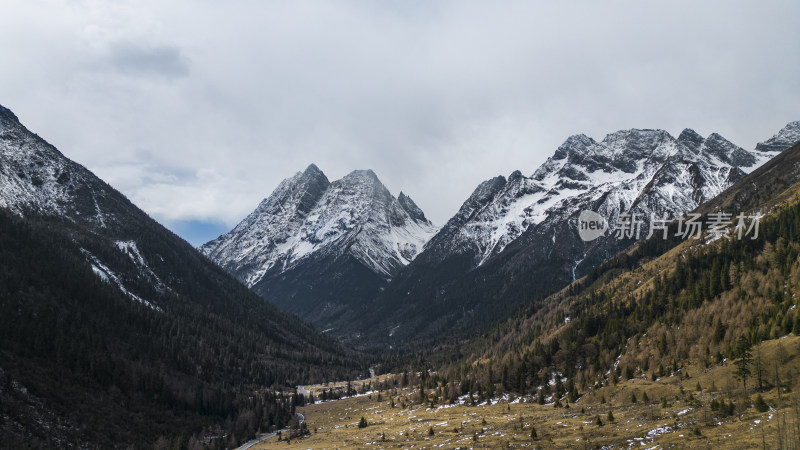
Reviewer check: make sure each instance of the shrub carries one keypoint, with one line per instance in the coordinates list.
(761, 405)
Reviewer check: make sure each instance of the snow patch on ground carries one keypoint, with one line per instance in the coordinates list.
(104, 273)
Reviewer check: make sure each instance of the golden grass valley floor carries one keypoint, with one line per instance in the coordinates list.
(682, 419)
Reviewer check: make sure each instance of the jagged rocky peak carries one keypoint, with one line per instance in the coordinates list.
(364, 174)
(366, 178)
(485, 192)
(364, 185)
(575, 144)
(312, 172)
(7, 117)
(361, 190)
(787, 137)
(519, 185)
(573, 151)
(307, 215)
(623, 151)
(411, 208)
(691, 139)
(728, 152)
(295, 195)
(515, 175)
(445, 240)
(626, 147)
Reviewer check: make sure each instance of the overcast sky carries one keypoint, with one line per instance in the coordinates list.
(196, 110)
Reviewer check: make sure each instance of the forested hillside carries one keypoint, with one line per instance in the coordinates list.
(116, 332)
(83, 362)
(704, 302)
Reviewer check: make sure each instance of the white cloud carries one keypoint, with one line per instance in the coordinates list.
(197, 110)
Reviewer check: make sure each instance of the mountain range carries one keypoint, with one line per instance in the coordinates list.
(363, 266)
(115, 331)
(659, 305)
(517, 238)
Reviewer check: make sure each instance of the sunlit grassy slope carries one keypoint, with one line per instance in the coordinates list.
(669, 412)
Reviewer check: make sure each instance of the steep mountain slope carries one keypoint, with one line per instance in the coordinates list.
(787, 137)
(321, 249)
(114, 331)
(704, 302)
(518, 238)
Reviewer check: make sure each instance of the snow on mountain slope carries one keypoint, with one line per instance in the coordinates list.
(131, 249)
(788, 136)
(35, 176)
(517, 238)
(108, 275)
(648, 168)
(307, 216)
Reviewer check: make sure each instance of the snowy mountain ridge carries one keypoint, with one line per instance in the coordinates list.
(308, 216)
(648, 168)
(788, 136)
(517, 238)
(35, 176)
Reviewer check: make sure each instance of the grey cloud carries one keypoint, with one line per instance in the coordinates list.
(165, 61)
(435, 97)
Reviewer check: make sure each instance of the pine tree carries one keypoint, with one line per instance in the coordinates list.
(744, 361)
(719, 331)
(760, 404)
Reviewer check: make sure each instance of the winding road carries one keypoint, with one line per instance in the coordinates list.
(264, 437)
(302, 390)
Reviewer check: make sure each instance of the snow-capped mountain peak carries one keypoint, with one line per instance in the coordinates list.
(411, 208)
(691, 139)
(642, 168)
(788, 136)
(323, 249)
(517, 238)
(574, 145)
(308, 216)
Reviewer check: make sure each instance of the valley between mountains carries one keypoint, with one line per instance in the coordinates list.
(370, 269)
(336, 314)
